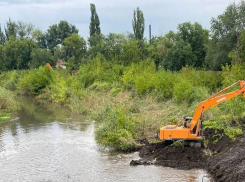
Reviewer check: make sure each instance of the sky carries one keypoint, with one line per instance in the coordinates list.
(115, 15)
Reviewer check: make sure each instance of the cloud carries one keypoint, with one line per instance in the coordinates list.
(115, 16)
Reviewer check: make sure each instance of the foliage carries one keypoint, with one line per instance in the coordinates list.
(39, 57)
(94, 27)
(138, 24)
(197, 37)
(2, 37)
(179, 55)
(58, 90)
(9, 79)
(131, 52)
(99, 70)
(18, 53)
(233, 132)
(57, 33)
(117, 129)
(225, 30)
(75, 47)
(34, 81)
(7, 101)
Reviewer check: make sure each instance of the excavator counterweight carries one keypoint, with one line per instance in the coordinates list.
(193, 130)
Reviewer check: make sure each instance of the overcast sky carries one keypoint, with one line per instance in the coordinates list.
(115, 15)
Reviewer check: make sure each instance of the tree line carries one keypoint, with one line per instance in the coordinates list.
(22, 46)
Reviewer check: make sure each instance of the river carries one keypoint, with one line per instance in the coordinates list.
(46, 143)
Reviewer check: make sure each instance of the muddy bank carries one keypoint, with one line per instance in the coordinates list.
(171, 156)
(225, 160)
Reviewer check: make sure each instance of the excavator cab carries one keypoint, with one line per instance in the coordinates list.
(187, 121)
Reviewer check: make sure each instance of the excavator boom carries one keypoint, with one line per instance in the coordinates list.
(193, 130)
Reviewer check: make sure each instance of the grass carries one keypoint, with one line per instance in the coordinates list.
(4, 117)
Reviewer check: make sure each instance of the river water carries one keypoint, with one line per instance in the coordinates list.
(46, 143)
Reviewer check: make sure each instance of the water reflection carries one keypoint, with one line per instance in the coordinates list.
(48, 143)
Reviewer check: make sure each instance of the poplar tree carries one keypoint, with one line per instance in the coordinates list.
(2, 37)
(138, 24)
(11, 29)
(95, 22)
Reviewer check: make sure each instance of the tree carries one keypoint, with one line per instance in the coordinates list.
(94, 27)
(24, 29)
(178, 56)
(39, 37)
(114, 45)
(138, 24)
(225, 32)
(40, 57)
(131, 52)
(160, 46)
(2, 37)
(2, 58)
(97, 45)
(58, 32)
(18, 53)
(197, 37)
(75, 46)
(11, 29)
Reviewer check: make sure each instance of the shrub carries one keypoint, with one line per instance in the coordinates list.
(99, 70)
(34, 81)
(100, 86)
(186, 91)
(8, 101)
(9, 79)
(233, 132)
(117, 129)
(59, 91)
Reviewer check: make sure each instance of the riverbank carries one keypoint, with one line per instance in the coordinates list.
(131, 103)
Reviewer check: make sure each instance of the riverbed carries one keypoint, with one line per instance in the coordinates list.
(47, 143)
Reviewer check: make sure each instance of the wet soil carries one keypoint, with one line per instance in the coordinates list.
(224, 160)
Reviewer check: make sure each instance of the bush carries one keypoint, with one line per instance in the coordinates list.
(117, 129)
(59, 91)
(186, 91)
(8, 101)
(233, 132)
(34, 81)
(100, 86)
(9, 79)
(99, 70)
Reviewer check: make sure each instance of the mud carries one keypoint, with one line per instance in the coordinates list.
(170, 156)
(224, 160)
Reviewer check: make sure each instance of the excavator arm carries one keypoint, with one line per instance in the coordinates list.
(191, 132)
(215, 100)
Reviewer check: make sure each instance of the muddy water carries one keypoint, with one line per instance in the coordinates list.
(47, 143)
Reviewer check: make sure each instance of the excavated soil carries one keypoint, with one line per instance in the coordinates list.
(225, 160)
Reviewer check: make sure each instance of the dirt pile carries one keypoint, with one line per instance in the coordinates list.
(224, 160)
(229, 163)
(170, 156)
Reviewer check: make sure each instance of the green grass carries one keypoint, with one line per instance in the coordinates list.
(4, 117)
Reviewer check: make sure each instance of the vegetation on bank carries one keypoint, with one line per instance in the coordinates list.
(8, 104)
(131, 103)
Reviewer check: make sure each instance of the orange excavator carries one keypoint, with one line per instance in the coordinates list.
(192, 128)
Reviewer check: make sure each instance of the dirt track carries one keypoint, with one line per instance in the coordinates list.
(225, 160)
